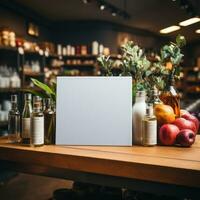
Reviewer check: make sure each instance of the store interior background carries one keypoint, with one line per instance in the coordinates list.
(81, 22)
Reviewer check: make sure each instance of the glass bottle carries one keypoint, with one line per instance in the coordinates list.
(153, 97)
(37, 123)
(26, 119)
(149, 127)
(139, 111)
(14, 121)
(170, 97)
(49, 123)
(156, 98)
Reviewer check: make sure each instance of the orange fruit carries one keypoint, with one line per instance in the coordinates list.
(164, 114)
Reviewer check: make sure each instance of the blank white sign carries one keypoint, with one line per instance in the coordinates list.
(94, 111)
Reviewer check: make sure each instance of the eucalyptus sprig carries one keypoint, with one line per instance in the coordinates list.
(134, 63)
(106, 64)
(172, 53)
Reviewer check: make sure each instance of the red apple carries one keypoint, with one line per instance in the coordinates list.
(192, 118)
(168, 133)
(182, 111)
(182, 123)
(185, 138)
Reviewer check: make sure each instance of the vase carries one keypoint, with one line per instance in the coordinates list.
(139, 111)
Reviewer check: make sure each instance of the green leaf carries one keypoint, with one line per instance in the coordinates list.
(36, 93)
(180, 40)
(53, 87)
(43, 86)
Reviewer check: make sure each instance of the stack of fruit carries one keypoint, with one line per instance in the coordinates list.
(176, 131)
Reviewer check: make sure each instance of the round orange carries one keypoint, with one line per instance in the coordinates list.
(164, 114)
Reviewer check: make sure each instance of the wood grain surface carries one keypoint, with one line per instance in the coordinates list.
(172, 165)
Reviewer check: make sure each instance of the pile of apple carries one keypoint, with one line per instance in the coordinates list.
(182, 131)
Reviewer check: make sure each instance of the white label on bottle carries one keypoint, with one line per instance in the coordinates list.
(149, 132)
(26, 127)
(37, 130)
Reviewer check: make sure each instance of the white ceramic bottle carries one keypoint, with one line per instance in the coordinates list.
(139, 111)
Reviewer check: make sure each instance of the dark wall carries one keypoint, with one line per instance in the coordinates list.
(109, 34)
(191, 52)
(76, 32)
(18, 23)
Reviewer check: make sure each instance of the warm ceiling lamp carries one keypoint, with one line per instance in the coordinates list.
(114, 13)
(197, 31)
(189, 21)
(86, 1)
(169, 29)
(102, 7)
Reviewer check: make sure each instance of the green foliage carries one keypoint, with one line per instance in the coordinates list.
(134, 63)
(172, 53)
(106, 64)
(47, 92)
(147, 75)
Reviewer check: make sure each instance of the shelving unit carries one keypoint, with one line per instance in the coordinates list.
(191, 84)
(3, 124)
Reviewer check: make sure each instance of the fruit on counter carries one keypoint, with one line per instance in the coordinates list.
(164, 114)
(192, 119)
(182, 112)
(185, 137)
(167, 134)
(183, 123)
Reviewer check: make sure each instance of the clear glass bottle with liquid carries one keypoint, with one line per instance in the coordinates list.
(26, 119)
(14, 121)
(149, 127)
(49, 122)
(37, 123)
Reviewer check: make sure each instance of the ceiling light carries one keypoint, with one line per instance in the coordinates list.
(189, 21)
(169, 29)
(102, 7)
(114, 13)
(86, 1)
(184, 4)
(197, 31)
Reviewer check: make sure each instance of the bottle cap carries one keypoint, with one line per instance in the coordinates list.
(149, 110)
(37, 98)
(37, 101)
(141, 93)
(27, 96)
(14, 98)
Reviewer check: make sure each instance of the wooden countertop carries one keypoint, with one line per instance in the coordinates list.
(171, 165)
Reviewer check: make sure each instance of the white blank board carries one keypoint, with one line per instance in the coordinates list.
(94, 111)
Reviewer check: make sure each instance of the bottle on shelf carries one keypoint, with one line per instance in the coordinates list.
(95, 48)
(139, 111)
(26, 119)
(170, 97)
(49, 122)
(37, 123)
(14, 121)
(149, 127)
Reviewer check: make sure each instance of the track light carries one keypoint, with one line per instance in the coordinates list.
(102, 6)
(114, 13)
(184, 4)
(86, 1)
